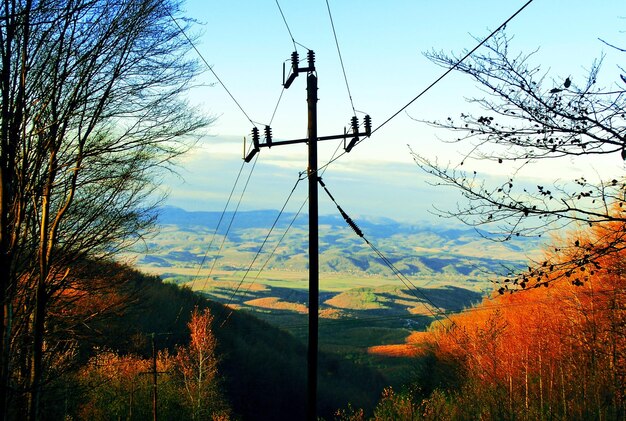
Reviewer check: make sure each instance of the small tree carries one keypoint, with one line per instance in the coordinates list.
(197, 366)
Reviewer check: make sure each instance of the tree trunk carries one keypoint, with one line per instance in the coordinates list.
(5, 329)
(526, 383)
(37, 354)
(5, 259)
(563, 392)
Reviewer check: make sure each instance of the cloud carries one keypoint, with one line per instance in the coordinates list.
(362, 184)
(373, 188)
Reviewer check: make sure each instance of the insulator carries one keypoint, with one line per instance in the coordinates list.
(354, 122)
(294, 61)
(368, 125)
(255, 137)
(268, 136)
(350, 222)
(311, 59)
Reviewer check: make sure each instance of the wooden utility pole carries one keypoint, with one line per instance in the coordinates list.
(154, 380)
(155, 374)
(311, 89)
(311, 140)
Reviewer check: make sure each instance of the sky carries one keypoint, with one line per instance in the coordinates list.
(382, 45)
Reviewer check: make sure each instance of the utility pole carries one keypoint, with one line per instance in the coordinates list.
(155, 375)
(154, 380)
(311, 140)
(314, 287)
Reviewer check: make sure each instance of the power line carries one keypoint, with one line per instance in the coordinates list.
(279, 242)
(182, 31)
(429, 87)
(230, 224)
(287, 25)
(273, 252)
(282, 91)
(345, 78)
(259, 250)
(219, 223)
(411, 287)
(192, 44)
(480, 44)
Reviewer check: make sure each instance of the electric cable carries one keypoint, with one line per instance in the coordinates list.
(273, 252)
(411, 287)
(472, 51)
(219, 224)
(429, 87)
(282, 91)
(287, 25)
(182, 31)
(259, 252)
(203, 59)
(435, 310)
(278, 243)
(230, 224)
(345, 77)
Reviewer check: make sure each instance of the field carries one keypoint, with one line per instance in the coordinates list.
(366, 311)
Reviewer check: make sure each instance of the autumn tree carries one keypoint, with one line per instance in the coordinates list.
(197, 365)
(92, 109)
(547, 352)
(115, 387)
(119, 386)
(526, 119)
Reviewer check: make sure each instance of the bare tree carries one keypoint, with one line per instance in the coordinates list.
(527, 118)
(92, 109)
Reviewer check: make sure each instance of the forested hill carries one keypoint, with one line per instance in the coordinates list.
(262, 369)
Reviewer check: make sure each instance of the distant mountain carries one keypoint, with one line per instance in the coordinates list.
(170, 215)
(190, 244)
(376, 227)
(418, 247)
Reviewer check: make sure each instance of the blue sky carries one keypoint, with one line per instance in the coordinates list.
(381, 43)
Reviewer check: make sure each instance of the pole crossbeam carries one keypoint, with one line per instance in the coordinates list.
(269, 141)
(306, 140)
(312, 139)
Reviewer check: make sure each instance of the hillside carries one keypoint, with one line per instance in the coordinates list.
(263, 369)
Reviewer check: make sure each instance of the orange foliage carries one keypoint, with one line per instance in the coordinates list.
(121, 386)
(562, 341)
(197, 364)
(416, 344)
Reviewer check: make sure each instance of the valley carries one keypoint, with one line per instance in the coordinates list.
(363, 304)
